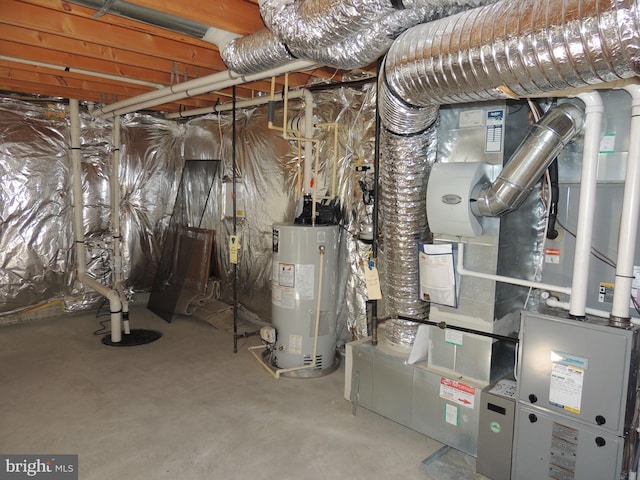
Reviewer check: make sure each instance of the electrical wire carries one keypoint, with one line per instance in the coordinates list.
(594, 251)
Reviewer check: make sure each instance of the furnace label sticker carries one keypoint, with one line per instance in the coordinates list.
(470, 118)
(552, 255)
(453, 337)
(565, 390)
(608, 143)
(457, 392)
(605, 293)
(494, 131)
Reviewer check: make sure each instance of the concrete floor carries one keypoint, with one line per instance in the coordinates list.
(185, 407)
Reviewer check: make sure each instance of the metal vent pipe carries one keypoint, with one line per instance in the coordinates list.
(530, 160)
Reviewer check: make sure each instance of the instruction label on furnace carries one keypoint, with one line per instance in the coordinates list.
(457, 392)
(567, 379)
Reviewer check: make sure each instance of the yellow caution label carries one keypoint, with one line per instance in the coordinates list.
(233, 249)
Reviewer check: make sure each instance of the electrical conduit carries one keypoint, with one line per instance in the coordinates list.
(115, 306)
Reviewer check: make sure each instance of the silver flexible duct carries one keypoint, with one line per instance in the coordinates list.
(312, 24)
(515, 48)
(366, 45)
(344, 34)
(405, 165)
(255, 53)
(530, 160)
(508, 49)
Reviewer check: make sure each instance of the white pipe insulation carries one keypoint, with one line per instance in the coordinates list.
(115, 306)
(629, 219)
(594, 114)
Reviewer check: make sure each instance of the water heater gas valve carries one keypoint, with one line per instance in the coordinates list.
(268, 334)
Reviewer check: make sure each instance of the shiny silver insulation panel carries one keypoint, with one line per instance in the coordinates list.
(36, 236)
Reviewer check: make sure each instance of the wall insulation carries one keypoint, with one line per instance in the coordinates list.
(36, 235)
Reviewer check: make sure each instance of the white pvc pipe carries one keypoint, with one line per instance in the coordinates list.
(80, 71)
(501, 278)
(225, 107)
(629, 218)
(555, 303)
(115, 307)
(115, 224)
(594, 113)
(308, 145)
(198, 86)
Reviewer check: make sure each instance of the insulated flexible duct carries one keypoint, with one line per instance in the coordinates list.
(405, 166)
(255, 53)
(343, 34)
(508, 49)
(515, 48)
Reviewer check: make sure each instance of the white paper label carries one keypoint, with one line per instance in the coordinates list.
(565, 390)
(494, 131)
(453, 337)
(295, 344)
(451, 414)
(608, 143)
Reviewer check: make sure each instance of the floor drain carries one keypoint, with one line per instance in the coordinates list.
(137, 336)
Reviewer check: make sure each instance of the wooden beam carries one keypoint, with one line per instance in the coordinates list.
(45, 20)
(233, 16)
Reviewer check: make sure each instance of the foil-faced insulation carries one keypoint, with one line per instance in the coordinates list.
(515, 48)
(353, 113)
(36, 235)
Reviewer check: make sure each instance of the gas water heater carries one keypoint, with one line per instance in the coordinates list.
(304, 296)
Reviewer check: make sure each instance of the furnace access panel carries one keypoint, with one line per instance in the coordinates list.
(577, 369)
